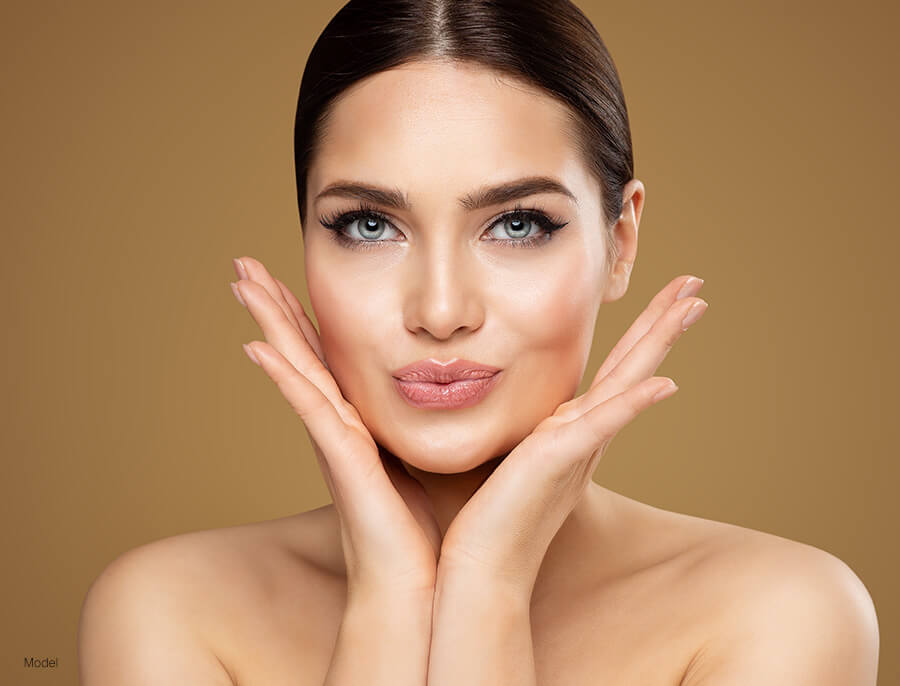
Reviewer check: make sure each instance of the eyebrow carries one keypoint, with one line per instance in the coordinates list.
(482, 197)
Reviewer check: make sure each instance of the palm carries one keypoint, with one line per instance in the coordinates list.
(540, 481)
(387, 526)
(418, 518)
(497, 497)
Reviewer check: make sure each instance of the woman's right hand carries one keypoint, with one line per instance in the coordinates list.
(390, 537)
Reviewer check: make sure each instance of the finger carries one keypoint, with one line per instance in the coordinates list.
(254, 270)
(289, 341)
(309, 330)
(541, 479)
(645, 357)
(362, 490)
(658, 305)
(257, 271)
(588, 436)
(346, 452)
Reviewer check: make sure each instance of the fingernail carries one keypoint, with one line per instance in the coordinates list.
(249, 351)
(690, 287)
(665, 391)
(693, 314)
(239, 268)
(237, 293)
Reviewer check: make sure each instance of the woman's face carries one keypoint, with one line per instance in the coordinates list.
(447, 277)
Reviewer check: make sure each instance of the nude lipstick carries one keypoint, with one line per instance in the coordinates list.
(431, 384)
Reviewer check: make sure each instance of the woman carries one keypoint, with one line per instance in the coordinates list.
(466, 192)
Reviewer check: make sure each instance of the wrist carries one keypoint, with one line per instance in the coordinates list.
(384, 638)
(478, 589)
(392, 613)
(367, 598)
(405, 601)
(392, 589)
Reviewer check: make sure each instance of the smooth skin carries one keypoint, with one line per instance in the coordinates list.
(389, 537)
(470, 546)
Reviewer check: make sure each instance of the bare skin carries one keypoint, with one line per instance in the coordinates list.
(266, 599)
(263, 603)
(470, 546)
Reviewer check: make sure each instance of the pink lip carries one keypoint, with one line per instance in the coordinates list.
(457, 384)
(433, 371)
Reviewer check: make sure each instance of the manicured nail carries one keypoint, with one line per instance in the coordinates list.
(665, 391)
(690, 287)
(237, 293)
(693, 314)
(249, 351)
(239, 268)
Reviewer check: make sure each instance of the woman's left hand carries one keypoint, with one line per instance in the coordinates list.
(505, 529)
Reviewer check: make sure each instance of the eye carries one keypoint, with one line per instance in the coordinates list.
(370, 227)
(520, 225)
(364, 227)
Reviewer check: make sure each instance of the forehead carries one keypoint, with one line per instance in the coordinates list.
(445, 127)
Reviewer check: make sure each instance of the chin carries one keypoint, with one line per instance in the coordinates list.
(439, 465)
(443, 452)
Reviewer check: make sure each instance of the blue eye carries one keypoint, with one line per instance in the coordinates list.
(369, 226)
(372, 224)
(519, 223)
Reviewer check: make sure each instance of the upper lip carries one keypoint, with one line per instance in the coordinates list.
(434, 371)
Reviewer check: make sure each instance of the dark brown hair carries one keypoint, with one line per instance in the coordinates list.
(549, 44)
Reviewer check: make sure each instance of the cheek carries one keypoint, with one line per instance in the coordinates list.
(553, 317)
(537, 321)
(352, 319)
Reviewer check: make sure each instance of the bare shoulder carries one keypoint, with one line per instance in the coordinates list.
(777, 611)
(755, 568)
(186, 608)
(139, 616)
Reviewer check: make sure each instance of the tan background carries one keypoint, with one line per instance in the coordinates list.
(147, 143)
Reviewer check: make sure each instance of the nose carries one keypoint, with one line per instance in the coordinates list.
(443, 292)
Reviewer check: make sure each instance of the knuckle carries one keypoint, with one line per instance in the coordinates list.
(669, 338)
(313, 409)
(668, 333)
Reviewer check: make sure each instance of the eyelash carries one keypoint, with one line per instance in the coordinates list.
(338, 221)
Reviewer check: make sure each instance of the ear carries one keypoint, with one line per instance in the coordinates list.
(625, 234)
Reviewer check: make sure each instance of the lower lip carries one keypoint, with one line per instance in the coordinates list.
(455, 395)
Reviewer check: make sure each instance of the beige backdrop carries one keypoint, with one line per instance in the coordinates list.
(145, 144)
